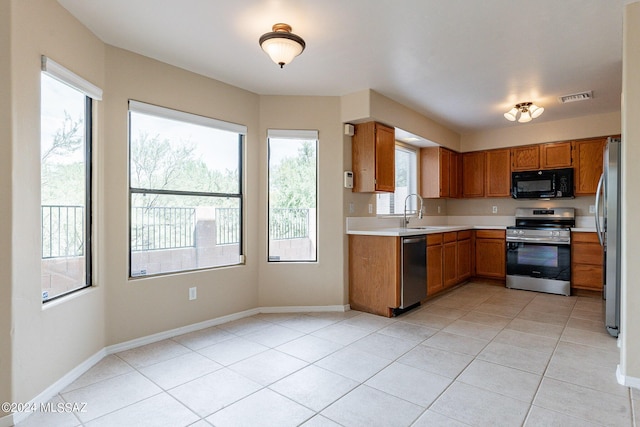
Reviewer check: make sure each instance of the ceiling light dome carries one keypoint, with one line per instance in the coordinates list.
(281, 44)
(524, 112)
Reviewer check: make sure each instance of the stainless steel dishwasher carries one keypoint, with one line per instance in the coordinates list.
(414, 271)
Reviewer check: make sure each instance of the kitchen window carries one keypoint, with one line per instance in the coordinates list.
(66, 127)
(293, 189)
(406, 183)
(185, 191)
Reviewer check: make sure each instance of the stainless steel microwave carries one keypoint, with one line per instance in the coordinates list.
(542, 184)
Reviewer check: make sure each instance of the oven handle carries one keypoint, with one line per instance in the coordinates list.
(534, 239)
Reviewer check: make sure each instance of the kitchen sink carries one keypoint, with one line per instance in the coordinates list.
(427, 227)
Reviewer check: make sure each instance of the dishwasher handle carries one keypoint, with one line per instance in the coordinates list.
(406, 240)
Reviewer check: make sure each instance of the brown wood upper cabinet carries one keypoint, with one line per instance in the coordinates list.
(498, 173)
(473, 174)
(439, 172)
(525, 158)
(373, 152)
(556, 155)
(588, 164)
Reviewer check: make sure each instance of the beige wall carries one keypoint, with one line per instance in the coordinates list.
(535, 133)
(5, 203)
(136, 308)
(306, 284)
(47, 343)
(630, 319)
(507, 205)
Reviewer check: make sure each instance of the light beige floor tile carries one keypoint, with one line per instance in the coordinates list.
(335, 316)
(586, 325)
(109, 367)
(635, 393)
(314, 387)
(203, 338)
(436, 361)
(444, 312)
(369, 322)
(232, 351)
(497, 309)
(478, 407)
(111, 395)
(309, 348)
(591, 304)
(472, 330)
(201, 423)
(354, 364)
(515, 357)
(408, 383)
(585, 374)
(587, 315)
(536, 328)
(152, 353)
(320, 421)
(408, 331)
(486, 319)
(366, 406)
(214, 391)
(428, 319)
(179, 370)
(268, 367)
(596, 356)
(500, 379)
(276, 317)
(528, 313)
(433, 419)
(584, 403)
(456, 343)
(246, 325)
(273, 336)
(541, 417)
(385, 346)
(341, 333)
(264, 408)
(593, 339)
(306, 323)
(41, 418)
(161, 410)
(527, 341)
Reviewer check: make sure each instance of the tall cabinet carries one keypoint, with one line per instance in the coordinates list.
(373, 151)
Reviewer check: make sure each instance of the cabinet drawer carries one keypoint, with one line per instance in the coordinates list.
(587, 277)
(585, 237)
(490, 234)
(450, 237)
(434, 239)
(463, 235)
(587, 253)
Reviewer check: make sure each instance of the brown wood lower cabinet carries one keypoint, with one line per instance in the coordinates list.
(448, 260)
(587, 260)
(463, 264)
(490, 248)
(434, 264)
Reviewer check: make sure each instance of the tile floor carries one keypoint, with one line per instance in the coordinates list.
(481, 355)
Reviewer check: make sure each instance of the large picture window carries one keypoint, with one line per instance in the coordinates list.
(185, 177)
(406, 183)
(66, 102)
(293, 179)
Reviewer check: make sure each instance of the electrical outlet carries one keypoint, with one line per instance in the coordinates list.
(193, 293)
(494, 209)
(370, 208)
(592, 208)
(351, 208)
(438, 208)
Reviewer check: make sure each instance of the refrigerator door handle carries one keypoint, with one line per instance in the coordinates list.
(597, 213)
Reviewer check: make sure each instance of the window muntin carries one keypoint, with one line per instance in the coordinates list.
(65, 187)
(406, 162)
(185, 175)
(293, 188)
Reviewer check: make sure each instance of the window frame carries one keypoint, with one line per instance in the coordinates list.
(194, 119)
(294, 135)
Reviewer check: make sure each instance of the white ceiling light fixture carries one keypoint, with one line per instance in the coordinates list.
(281, 44)
(526, 112)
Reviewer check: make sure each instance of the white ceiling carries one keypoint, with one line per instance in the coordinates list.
(461, 62)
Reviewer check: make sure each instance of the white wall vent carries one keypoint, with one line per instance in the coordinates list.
(582, 96)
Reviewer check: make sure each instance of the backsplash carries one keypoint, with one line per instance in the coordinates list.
(507, 206)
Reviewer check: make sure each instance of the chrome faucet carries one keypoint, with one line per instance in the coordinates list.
(419, 212)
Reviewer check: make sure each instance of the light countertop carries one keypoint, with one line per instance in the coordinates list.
(421, 230)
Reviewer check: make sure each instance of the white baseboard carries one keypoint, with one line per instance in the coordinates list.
(75, 373)
(627, 380)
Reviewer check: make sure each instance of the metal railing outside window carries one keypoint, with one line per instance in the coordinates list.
(62, 231)
(154, 228)
(227, 226)
(288, 224)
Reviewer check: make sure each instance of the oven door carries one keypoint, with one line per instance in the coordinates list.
(545, 260)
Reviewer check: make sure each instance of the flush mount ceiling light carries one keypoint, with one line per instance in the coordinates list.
(526, 111)
(281, 44)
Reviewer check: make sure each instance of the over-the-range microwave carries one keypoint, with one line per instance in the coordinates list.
(542, 184)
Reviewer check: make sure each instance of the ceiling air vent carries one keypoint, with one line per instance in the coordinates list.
(582, 96)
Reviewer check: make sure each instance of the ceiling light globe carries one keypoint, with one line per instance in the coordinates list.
(536, 111)
(511, 114)
(281, 44)
(525, 117)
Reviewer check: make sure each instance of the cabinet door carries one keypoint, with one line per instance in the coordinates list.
(445, 167)
(464, 260)
(454, 174)
(434, 269)
(525, 158)
(588, 165)
(430, 172)
(385, 159)
(473, 170)
(498, 173)
(587, 262)
(555, 155)
(490, 258)
(449, 261)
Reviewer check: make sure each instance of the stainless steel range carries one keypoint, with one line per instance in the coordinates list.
(539, 250)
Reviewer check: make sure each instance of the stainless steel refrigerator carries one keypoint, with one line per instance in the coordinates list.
(608, 226)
